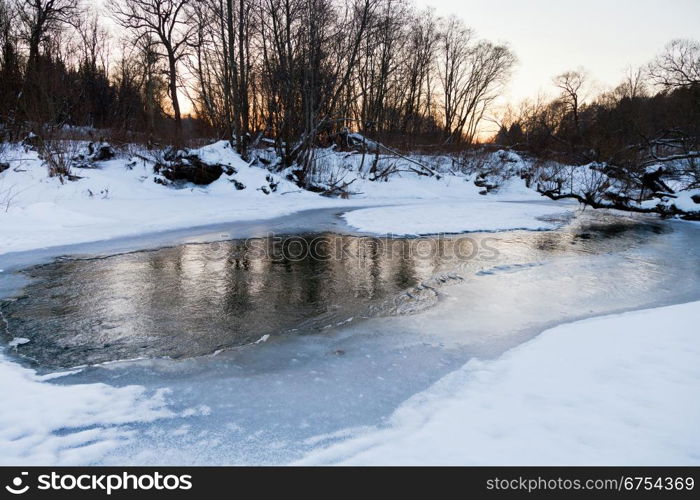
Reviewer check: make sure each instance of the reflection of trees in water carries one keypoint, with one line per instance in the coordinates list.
(596, 237)
(404, 268)
(193, 299)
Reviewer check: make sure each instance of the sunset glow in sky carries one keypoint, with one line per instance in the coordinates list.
(552, 36)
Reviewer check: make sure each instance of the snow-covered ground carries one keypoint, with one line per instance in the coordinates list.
(454, 217)
(120, 198)
(614, 390)
(48, 424)
(114, 200)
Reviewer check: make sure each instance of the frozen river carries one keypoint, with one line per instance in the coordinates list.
(353, 324)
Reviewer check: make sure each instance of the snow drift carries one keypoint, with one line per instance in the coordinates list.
(615, 390)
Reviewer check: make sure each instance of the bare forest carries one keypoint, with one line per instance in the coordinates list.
(299, 75)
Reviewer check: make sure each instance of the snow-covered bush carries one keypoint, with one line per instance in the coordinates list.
(490, 169)
(7, 192)
(93, 152)
(59, 157)
(330, 172)
(601, 185)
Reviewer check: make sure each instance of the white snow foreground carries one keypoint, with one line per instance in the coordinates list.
(42, 423)
(120, 198)
(614, 390)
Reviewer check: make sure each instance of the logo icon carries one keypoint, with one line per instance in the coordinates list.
(16, 488)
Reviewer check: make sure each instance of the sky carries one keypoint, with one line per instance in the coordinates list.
(553, 36)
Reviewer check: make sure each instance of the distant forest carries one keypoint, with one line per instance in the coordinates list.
(301, 72)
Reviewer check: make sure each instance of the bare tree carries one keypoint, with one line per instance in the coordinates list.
(10, 66)
(635, 82)
(139, 88)
(167, 21)
(42, 25)
(471, 73)
(380, 60)
(455, 39)
(678, 65)
(40, 17)
(93, 41)
(8, 32)
(572, 85)
(334, 64)
(236, 68)
(300, 71)
(419, 62)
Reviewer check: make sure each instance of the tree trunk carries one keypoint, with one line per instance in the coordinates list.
(233, 81)
(172, 69)
(242, 82)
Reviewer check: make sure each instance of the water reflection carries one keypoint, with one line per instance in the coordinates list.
(195, 299)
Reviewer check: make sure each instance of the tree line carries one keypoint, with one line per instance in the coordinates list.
(635, 147)
(651, 118)
(56, 69)
(305, 73)
(296, 71)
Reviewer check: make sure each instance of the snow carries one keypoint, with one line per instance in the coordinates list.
(588, 180)
(684, 200)
(18, 341)
(44, 423)
(117, 201)
(37, 211)
(618, 389)
(417, 219)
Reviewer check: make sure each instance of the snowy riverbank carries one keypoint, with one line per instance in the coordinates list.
(120, 198)
(614, 390)
(47, 424)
